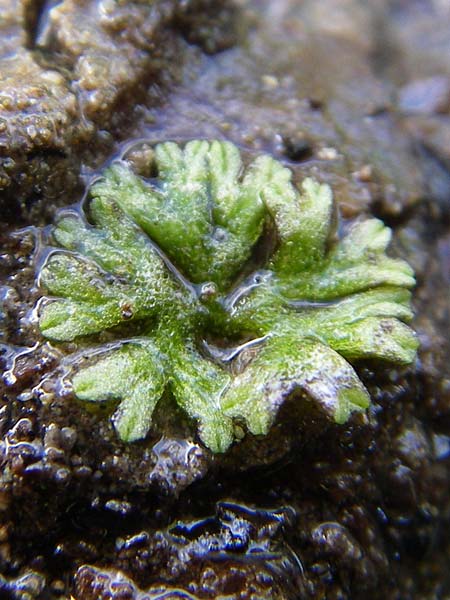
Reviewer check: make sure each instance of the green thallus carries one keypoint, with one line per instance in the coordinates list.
(162, 256)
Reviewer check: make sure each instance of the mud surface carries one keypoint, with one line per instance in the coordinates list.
(356, 94)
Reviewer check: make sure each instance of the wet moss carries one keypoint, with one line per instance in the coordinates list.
(162, 259)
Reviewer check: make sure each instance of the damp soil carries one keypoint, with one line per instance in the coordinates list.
(355, 94)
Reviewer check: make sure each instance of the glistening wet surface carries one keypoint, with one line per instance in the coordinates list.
(334, 89)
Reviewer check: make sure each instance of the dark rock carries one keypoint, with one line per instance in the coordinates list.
(238, 553)
(25, 587)
(67, 71)
(316, 85)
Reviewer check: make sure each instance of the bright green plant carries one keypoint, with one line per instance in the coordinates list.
(166, 261)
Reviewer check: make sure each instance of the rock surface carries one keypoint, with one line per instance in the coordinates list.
(70, 73)
(353, 93)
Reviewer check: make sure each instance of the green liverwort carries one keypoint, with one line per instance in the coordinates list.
(167, 261)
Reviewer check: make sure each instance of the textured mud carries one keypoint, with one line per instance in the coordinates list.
(356, 95)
